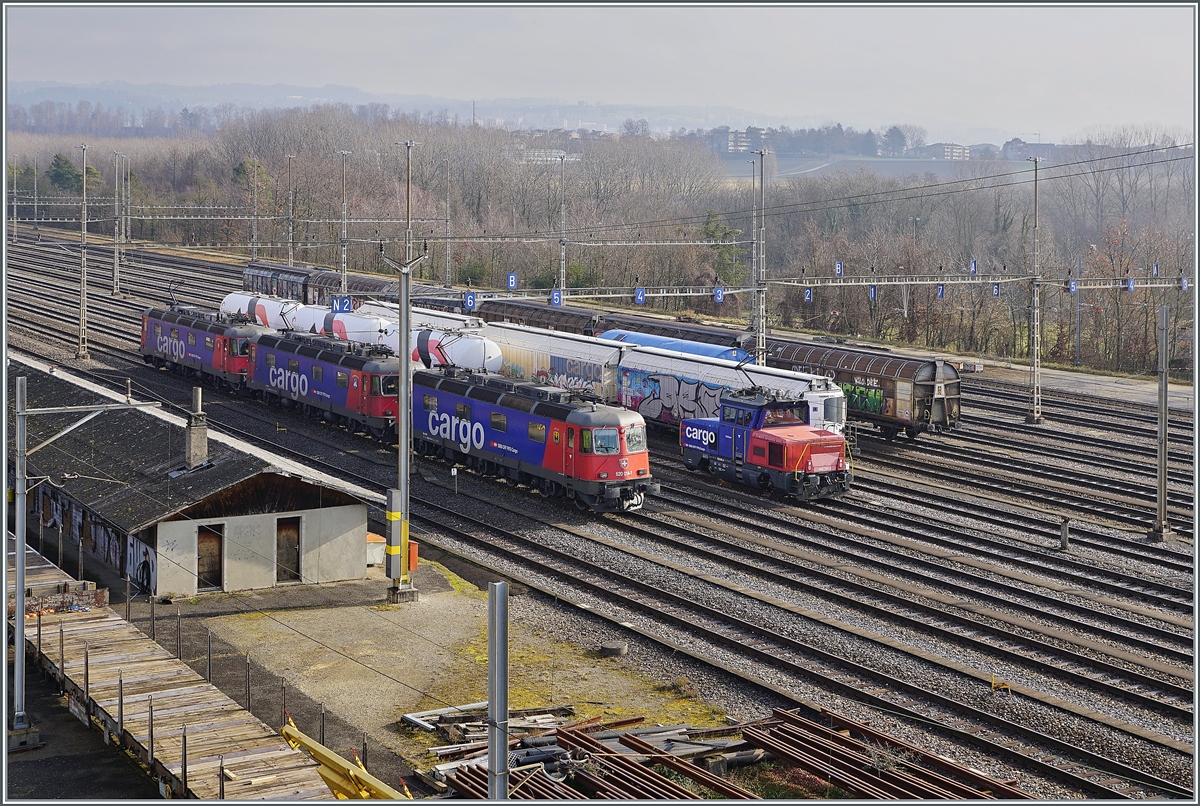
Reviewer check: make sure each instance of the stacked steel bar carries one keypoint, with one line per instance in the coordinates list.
(471, 782)
(623, 777)
(853, 766)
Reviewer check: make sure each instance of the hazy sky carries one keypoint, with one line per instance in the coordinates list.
(1055, 70)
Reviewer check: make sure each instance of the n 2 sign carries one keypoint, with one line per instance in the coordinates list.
(718, 294)
(469, 300)
(512, 281)
(556, 297)
(340, 304)
(639, 295)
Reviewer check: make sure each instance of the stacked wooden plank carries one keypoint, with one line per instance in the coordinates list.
(152, 703)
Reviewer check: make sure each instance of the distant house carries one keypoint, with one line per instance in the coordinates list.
(1018, 149)
(943, 151)
(179, 515)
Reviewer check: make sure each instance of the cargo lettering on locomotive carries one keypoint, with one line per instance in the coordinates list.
(700, 434)
(466, 433)
(175, 348)
(293, 382)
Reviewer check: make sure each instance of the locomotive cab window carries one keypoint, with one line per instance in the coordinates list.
(585, 440)
(239, 347)
(635, 438)
(375, 389)
(429, 402)
(391, 385)
(157, 329)
(269, 359)
(343, 380)
(796, 415)
(208, 342)
(729, 414)
(537, 432)
(499, 421)
(606, 441)
(570, 437)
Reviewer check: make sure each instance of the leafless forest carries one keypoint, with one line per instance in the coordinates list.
(1117, 202)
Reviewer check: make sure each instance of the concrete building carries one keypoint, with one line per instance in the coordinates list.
(178, 514)
(944, 151)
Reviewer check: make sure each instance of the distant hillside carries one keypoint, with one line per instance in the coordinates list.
(510, 113)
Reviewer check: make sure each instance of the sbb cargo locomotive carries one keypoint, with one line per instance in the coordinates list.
(544, 438)
(766, 443)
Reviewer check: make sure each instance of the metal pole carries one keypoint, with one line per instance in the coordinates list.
(116, 280)
(82, 351)
(447, 282)
(753, 224)
(208, 666)
(364, 753)
(152, 619)
(760, 324)
(79, 575)
(120, 707)
(322, 723)
(254, 220)
(60, 545)
(39, 636)
(1035, 318)
(290, 157)
(562, 226)
(1162, 527)
(20, 718)
(1079, 293)
(127, 596)
(221, 777)
(62, 660)
(248, 682)
(183, 775)
(87, 688)
(150, 731)
(35, 195)
(178, 634)
(282, 701)
(398, 499)
(497, 691)
(344, 155)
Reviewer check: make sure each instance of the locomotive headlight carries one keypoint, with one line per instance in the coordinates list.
(642, 471)
(603, 475)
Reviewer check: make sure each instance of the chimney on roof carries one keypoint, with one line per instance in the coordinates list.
(196, 439)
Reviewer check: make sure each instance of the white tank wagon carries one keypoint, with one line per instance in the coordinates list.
(430, 347)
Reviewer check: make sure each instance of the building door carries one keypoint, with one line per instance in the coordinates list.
(209, 549)
(287, 550)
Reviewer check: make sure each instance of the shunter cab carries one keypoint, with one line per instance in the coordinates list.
(767, 443)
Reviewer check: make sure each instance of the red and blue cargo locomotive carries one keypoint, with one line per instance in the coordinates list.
(764, 442)
(203, 344)
(544, 437)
